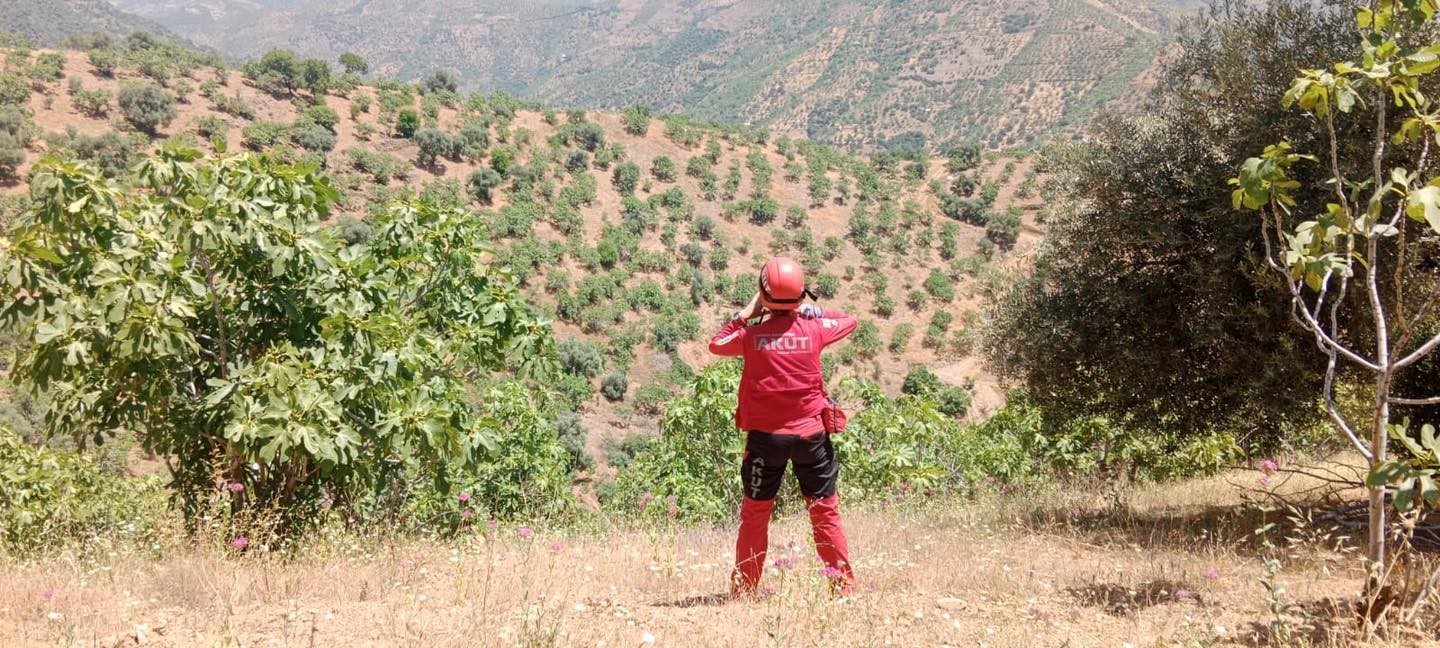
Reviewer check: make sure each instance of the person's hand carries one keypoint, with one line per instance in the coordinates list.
(811, 311)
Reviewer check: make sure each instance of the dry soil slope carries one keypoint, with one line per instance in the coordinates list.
(54, 111)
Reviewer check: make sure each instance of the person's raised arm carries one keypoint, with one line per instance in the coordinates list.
(730, 339)
(835, 325)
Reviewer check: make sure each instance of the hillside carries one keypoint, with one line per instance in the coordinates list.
(640, 279)
(853, 73)
(50, 22)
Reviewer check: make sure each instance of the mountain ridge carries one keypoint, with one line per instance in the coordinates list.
(862, 74)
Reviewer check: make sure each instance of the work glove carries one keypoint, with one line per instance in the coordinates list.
(811, 311)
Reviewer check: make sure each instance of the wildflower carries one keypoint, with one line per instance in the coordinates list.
(1267, 466)
(557, 546)
(235, 487)
(526, 532)
(830, 572)
(47, 592)
(465, 514)
(1212, 574)
(464, 497)
(674, 511)
(767, 590)
(1263, 479)
(646, 499)
(784, 563)
(1183, 594)
(240, 543)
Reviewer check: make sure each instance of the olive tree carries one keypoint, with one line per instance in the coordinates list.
(1350, 272)
(206, 310)
(146, 106)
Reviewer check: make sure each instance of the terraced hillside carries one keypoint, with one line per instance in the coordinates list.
(853, 73)
(639, 233)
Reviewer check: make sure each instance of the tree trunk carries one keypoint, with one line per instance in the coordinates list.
(1379, 440)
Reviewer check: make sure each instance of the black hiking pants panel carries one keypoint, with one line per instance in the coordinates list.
(766, 454)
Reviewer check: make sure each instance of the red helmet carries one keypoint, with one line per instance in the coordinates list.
(782, 284)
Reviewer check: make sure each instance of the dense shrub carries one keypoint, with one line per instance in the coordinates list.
(12, 155)
(626, 177)
(920, 381)
(580, 358)
(570, 430)
(636, 119)
(613, 386)
(49, 498)
(663, 168)
(407, 122)
(483, 181)
(146, 105)
(314, 137)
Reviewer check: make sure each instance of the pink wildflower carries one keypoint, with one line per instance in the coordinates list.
(1212, 574)
(784, 563)
(526, 532)
(830, 572)
(1183, 594)
(1263, 479)
(465, 514)
(557, 546)
(240, 543)
(464, 497)
(646, 499)
(235, 487)
(47, 592)
(1267, 466)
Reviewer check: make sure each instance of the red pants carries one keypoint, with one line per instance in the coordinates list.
(762, 471)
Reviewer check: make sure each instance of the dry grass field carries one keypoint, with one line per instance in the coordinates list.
(1175, 565)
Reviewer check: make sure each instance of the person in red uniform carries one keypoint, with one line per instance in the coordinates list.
(782, 395)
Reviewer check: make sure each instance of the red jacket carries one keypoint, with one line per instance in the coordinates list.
(781, 388)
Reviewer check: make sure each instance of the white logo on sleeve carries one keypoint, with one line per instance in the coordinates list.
(828, 323)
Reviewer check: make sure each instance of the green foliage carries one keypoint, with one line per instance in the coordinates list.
(482, 182)
(65, 497)
(14, 91)
(440, 81)
(1124, 291)
(353, 64)
(613, 386)
(570, 430)
(963, 157)
(12, 155)
(313, 137)
(663, 168)
(105, 62)
(1003, 228)
(434, 144)
(262, 135)
(939, 285)
(696, 458)
(407, 122)
(636, 119)
(146, 106)
(380, 167)
(920, 381)
(579, 358)
(94, 103)
(272, 356)
(626, 177)
(827, 285)
(866, 339)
